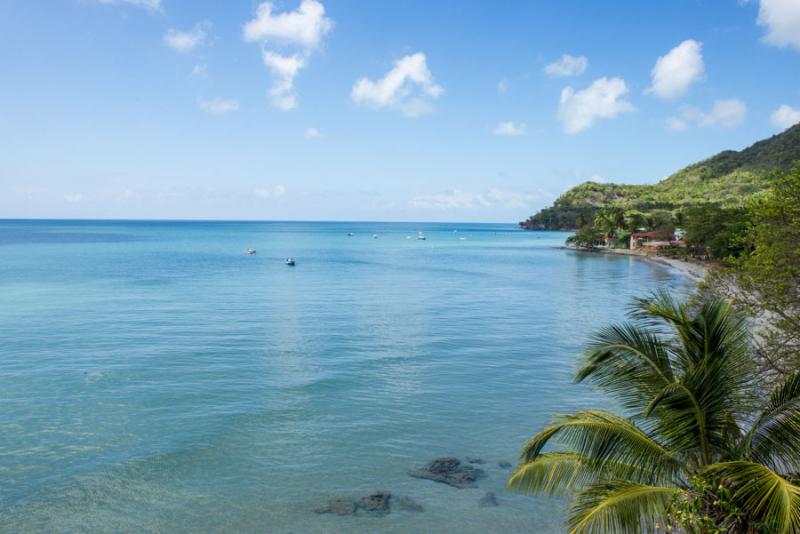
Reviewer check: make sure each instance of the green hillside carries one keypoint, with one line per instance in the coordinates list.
(725, 179)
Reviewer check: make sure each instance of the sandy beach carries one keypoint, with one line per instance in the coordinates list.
(694, 270)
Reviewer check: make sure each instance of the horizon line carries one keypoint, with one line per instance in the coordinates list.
(101, 219)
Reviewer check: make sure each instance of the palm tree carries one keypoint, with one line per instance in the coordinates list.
(608, 220)
(699, 445)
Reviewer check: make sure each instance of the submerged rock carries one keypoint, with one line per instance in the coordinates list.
(488, 500)
(448, 471)
(408, 504)
(339, 505)
(505, 465)
(378, 502)
(474, 460)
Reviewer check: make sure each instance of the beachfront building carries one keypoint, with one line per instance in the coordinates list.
(638, 238)
(649, 242)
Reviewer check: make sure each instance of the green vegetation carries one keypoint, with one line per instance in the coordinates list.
(726, 180)
(764, 281)
(700, 447)
(711, 231)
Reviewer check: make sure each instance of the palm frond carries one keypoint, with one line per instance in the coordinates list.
(659, 308)
(603, 437)
(774, 439)
(767, 497)
(559, 473)
(697, 415)
(682, 422)
(629, 362)
(550, 473)
(620, 507)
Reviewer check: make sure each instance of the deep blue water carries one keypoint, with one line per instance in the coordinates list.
(156, 379)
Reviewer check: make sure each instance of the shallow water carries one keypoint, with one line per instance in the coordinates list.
(156, 379)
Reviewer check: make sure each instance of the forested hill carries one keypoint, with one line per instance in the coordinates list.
(726, 179)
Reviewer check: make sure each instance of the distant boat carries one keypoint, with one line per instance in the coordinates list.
(290, 262)
(250, 251)
(421, 236)
(374, 236)
(350, 234)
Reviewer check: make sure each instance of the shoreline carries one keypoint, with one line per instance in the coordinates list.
(696, 271)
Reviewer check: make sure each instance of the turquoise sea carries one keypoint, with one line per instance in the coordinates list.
(157, 379)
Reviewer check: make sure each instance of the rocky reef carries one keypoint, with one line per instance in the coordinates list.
(447, 470)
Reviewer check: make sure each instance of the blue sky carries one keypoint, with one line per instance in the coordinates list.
(451, 110)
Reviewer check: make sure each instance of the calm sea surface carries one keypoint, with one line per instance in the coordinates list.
(156, 379)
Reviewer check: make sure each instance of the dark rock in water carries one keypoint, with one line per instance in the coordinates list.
(339, 506)
(488, 500)
(408, 504)
(377, 502)
(505, 465)
(473, 460)
(448, 471)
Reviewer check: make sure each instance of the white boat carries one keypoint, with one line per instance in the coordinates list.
(421, 236)
(374, 236)
(350, 234)
(290, 262)
(250, 251)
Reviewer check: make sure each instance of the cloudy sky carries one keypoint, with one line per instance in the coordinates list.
(453, 110)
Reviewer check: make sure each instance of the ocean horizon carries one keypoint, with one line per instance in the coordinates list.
(158, 379)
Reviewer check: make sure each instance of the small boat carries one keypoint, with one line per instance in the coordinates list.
(250, 251)
(421, 236)
(350, 234)
(374, 236)
(290, 262)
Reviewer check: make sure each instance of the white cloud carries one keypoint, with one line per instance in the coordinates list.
(301, 31)
(675, 124)
(601, 100)
(409, 87)
(283, 69)
(304, 27)
(509, 128)
(313, 133)
(218, 106)
(200, 70)
(785, 117)
(74, 198)
(503, 87)
(567, 66)
(274, 192)
(456, 199)
(723, 114)
(151, 5)
(781, 18)
(675, 71)
(187, 41)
